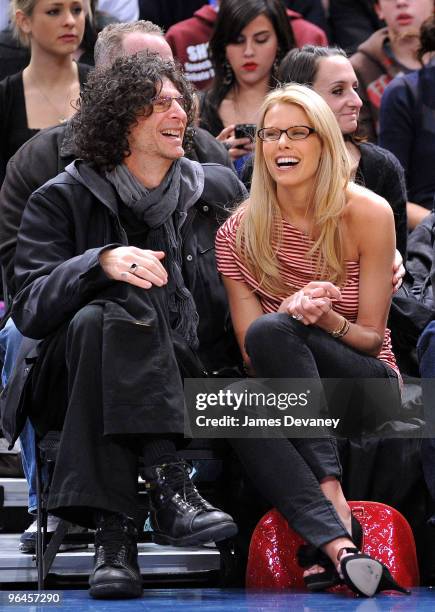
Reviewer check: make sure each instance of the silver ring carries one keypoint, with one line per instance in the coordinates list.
(132, 269)
(228, 144)
(297, 317)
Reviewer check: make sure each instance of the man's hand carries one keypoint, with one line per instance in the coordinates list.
(139, 267)
(415, 214)
(398, 271)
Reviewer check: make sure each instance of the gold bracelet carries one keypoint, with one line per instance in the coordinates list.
(341, 330)
(346, 328)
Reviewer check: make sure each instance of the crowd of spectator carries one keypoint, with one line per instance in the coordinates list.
(129, 132)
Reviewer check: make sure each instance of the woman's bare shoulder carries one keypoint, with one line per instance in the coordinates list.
(369, 220)
(365, 206)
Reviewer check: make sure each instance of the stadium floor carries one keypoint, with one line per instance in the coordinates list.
(236, 600)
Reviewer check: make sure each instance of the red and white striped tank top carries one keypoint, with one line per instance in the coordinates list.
(296, 270)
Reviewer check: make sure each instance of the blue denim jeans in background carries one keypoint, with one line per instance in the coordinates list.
(426, 358)
(10, 342)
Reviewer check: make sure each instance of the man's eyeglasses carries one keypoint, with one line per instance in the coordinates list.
(164, 103)
(296, 132)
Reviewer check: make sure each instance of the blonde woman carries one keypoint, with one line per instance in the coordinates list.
(306, 262)
(42, 95)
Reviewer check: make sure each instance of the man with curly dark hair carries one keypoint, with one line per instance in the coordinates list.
(40, 159)
(109, 109)
(114, 269)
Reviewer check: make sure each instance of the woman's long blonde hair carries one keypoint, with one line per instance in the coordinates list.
(261, 223)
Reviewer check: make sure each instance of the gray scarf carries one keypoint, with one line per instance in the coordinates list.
(164, 210)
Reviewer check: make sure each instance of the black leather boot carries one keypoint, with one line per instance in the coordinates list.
(116, 572)
(179, 515)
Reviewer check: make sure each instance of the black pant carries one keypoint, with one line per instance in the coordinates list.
(92, 471)
(287, 472)
(96, 467)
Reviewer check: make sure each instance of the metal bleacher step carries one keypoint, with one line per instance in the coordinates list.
(154, 561)
(14, 492)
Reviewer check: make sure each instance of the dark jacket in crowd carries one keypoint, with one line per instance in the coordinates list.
(352, 22)
(380, 171)
(13, 56)
(407, 129)
(14, 130)
(311, 10)
(167, 12)
(43, 157)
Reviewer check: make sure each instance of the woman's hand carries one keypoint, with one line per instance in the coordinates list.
(230, 142)
(312, 302)
(398, 271)
(139, 267)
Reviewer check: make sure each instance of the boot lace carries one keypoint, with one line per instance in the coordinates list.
(113, 541)
(177, 477)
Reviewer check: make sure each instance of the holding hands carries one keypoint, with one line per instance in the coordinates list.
(140, 267)
(316, 299)
(312, 302)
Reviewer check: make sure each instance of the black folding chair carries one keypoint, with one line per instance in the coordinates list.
(46, 453)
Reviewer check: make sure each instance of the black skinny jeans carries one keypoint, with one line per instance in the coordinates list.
(288, 472)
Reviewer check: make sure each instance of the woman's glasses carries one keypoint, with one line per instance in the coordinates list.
(164, 103)
(296, 132)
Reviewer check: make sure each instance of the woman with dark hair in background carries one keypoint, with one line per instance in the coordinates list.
(407, 125)
(249, 40)
(42, 94)
(329, 72)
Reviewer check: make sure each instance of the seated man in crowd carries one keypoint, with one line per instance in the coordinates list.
(39, 160)
(114, 269)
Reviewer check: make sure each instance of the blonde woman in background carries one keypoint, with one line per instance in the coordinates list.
(43, 94)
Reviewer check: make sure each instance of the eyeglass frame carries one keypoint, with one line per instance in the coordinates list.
(310, 131)
(158, 99)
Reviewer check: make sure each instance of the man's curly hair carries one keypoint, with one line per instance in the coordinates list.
(112, 100)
